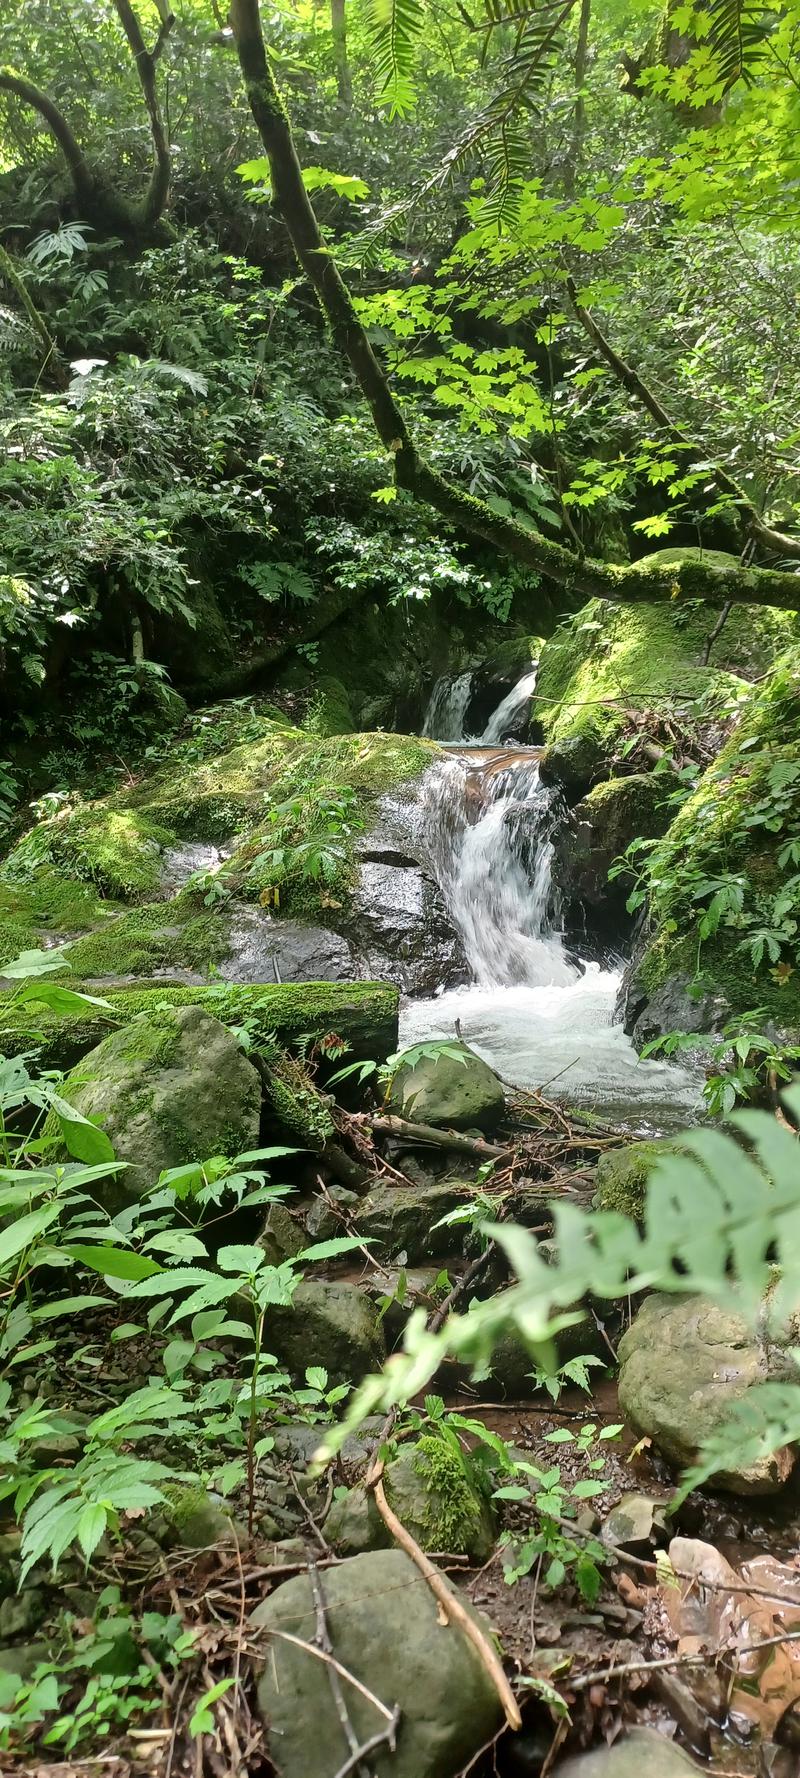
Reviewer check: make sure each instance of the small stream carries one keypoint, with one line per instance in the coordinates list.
(542, 1016)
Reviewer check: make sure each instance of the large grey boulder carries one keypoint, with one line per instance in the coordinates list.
(398, 925)
(683, 1363)
(640, 1754)
(334, 1325)
(454, 1089)
(385, 1629)
(172, 1086)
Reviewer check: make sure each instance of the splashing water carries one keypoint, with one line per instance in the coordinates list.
(508, 714)
(447, 709)
(482, 827)
(539, 1016)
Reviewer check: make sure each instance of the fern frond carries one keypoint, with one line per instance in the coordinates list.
(394, 28)
(737, 37)
(15, 333)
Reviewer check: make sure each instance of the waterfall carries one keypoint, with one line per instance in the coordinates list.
(483, 826)
(444, 717)
(507, 715)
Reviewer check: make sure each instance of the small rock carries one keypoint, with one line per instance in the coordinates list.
(633, 1524)
(333, 1325)
(450, 1090)
(434, 1494)
(689, 1714)
(386, 1629)
(22, 1612)
(640, 1754)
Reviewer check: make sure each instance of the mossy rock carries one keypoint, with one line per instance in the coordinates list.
(611, 657)
(170, 1087)
(621, 1176)
(714, 834)
(364, 1015)
(453, 1089)
(404, 1219)
(435, 1492)
(116, 848)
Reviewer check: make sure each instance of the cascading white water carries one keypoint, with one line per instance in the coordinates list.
(542, 1018)
(447, 708)
(505, 718)
(501, 910)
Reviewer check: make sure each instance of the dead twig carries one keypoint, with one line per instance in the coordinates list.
(323, 1641)
(430, 1137)
(384, 1737)
(452, 1606)
(310, 1648)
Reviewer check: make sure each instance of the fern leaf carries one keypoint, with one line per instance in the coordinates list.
(394, 28)
(737, 37)
(15, 332)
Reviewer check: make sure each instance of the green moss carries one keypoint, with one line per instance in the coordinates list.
(712, 837)
(455, 1511)
(298, 1106)
(158, 936)
(609, 658)
(118, 849)
(362, 1013)
(622, 1174)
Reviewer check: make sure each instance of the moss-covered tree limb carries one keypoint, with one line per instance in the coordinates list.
(583, 576)
(83, 179)
(146, 61)
(96, 201)
(52, 364)
(755, 530)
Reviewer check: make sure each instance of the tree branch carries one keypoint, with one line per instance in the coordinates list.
(158, 190)
(776, 541)
(584, 577)
(83, 179)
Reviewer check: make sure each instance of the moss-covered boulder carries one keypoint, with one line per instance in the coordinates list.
(612, 658)
(622, 1174)
(362, 1015)
(389, 1632)
(733, 834)
(683, 1364)
(452, 1088)
(435, 1492)
(600, 828)
(172, 1086)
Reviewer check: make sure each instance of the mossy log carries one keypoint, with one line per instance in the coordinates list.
(363, 1014)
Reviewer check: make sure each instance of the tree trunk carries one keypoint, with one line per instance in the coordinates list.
(578, 575)
(344, 84)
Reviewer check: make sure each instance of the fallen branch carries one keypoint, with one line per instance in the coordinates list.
(430, 1137)
(456, 1613)
(385, 1737)
(310, 1648)
(323, 1641)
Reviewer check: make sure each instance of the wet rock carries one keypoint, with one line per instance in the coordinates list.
(454, 1089)
(682, 1365)
(599, 829)
(574, 764)
(640, 1753)
(434, 1493)
(403, 1219)
(172, 1086)
(333, 1325)
(264, 949)
(386, 1629)
(647, 1012)
(399, 927)
(689, 1714)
